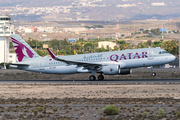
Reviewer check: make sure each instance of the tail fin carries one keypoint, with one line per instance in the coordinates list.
(22, 49)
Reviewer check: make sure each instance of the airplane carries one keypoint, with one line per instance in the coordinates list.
(107, 63)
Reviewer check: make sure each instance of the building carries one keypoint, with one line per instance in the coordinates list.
(49, 29)
(158, 4)
(12, 58)
(28, 30)
(34, 29)
(45, 46)
(75, 29)
(105, 44)
(6, 29)
(40, 29)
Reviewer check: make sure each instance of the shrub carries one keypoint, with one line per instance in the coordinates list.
(111, 110)
(178, 113)
(161, 113)
(138, 115)
(145, 114)
(39, 109)
(55, 109)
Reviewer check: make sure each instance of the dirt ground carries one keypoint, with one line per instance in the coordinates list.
(86, 101)
(89, 91)
(135, 101)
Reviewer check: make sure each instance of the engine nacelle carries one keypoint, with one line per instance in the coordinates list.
(125, 71)
(111, 70)
(115, 70)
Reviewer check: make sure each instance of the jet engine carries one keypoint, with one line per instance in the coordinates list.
(115, 70)
(125, 71)
(111, 70)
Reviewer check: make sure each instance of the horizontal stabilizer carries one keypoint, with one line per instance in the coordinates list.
(18, 64)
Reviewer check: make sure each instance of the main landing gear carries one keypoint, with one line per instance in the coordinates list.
(92, 78)
(153, 73)
(100, 77)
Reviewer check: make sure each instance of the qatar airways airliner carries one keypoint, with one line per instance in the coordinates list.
(107, 63)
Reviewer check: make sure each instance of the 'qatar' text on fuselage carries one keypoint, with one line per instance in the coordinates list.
(137, 55)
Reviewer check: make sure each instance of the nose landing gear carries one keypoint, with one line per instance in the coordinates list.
(153, 73)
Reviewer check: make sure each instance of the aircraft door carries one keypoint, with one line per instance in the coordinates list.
(41, 65)
(150, 55)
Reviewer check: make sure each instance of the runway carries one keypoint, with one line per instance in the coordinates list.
(88, 81)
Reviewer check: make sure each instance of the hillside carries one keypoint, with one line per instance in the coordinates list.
(97, 9)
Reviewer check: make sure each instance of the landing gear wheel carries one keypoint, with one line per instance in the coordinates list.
(153, 74)
(100, 77)
(92, 78)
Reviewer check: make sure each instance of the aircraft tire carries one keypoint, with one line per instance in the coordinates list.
(100, 77)
(153, 74)
(92, 78)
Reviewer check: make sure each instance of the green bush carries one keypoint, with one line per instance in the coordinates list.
(145, 114)
(178, 113)
(55, 109)
(161, 113)
(39, 109)
(111, 110)
(138, 115)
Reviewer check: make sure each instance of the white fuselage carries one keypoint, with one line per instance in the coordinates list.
(125, 58)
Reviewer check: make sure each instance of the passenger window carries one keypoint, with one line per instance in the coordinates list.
(159, 52)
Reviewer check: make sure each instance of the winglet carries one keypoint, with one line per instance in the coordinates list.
(51, 53)
(75, 52)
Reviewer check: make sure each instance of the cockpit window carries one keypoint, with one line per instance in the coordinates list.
(163, 52)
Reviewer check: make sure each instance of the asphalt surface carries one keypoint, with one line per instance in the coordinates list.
(14, 71)
(96, 81)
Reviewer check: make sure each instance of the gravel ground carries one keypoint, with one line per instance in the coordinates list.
(135, 101)
(86, 101)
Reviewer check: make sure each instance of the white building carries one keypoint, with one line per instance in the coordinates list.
(76, 29)
(40, 29)
(126, 5)
(12, 58)
(105, 44)
(6, 29)
(49, 29)
(158, 4)
(28, 30)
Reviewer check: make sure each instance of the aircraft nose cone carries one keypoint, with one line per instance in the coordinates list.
(173, 57)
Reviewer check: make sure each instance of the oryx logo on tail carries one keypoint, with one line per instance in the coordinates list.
(21, 50)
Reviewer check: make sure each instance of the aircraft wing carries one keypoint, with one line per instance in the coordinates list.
(88, 65)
